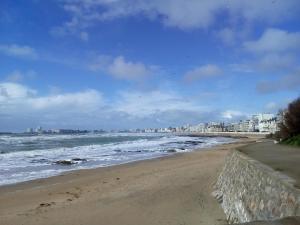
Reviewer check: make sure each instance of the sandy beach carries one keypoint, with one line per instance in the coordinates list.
(169, 190)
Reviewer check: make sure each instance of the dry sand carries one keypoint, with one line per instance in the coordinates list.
(170, 190)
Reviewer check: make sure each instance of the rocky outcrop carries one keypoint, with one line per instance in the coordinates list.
(70, 162)
(249, 190)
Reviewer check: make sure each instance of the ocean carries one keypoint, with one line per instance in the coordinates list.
(29, 157)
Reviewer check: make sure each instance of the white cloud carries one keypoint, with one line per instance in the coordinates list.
(269, 62)
(234, 34)
(274, 51)
(275, 40)
(26, 107)
(201, 72)
(13, 91)
(286, 83)
(88, 100)
(143, 104)
(160, 108)
(266, 11)
(122, 69)
(275, 62)
(19, 51)
(72, 27)
(230, 114)
(177, 13)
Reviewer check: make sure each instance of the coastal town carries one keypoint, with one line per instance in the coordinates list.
(262, 123)
(267, 123)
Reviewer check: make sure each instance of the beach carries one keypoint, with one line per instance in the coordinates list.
(169, 190)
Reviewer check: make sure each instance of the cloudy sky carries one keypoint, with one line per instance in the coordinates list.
(108, 64)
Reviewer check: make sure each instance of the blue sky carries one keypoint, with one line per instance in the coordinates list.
(109, 64)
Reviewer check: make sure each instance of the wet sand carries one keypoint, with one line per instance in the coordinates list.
(169, 190)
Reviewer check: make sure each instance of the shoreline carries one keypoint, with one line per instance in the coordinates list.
(171, 152)
(137, 188)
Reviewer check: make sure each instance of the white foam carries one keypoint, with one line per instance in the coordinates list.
(27, 165)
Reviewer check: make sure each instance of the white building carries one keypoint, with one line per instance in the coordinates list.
(200, 128)
(29, 130)
(268, 126)
(39, 129)
(215, 127)
(265, 123)
(247, 126)
(264, 116)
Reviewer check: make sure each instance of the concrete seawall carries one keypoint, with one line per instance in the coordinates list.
(249, 191)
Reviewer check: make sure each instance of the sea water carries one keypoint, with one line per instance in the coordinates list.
(28, 157)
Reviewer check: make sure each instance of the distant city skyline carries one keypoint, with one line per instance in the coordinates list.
(126, 64)
(262, 123)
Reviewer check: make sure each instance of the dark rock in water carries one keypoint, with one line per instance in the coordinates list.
(130, 151)
(193, 142)
(79, 160)
(70, 162)
(39, 160)
(171, 150)
(65, 162)
(2, 152)
(136, 151)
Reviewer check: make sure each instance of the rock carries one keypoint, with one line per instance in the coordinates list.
(171, 150)
(39, 160)
(118, 150)
(65, 162)
(79, 160)
(193, 142)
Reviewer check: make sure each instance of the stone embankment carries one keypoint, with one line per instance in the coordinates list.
(250, 191)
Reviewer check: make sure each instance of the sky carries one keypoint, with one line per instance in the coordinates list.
(121, 64)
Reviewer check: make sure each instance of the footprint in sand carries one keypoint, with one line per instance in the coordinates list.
(74, 194)
(45, 205)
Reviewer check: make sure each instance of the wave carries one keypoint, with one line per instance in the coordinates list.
(17, 166)
(45, 137)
